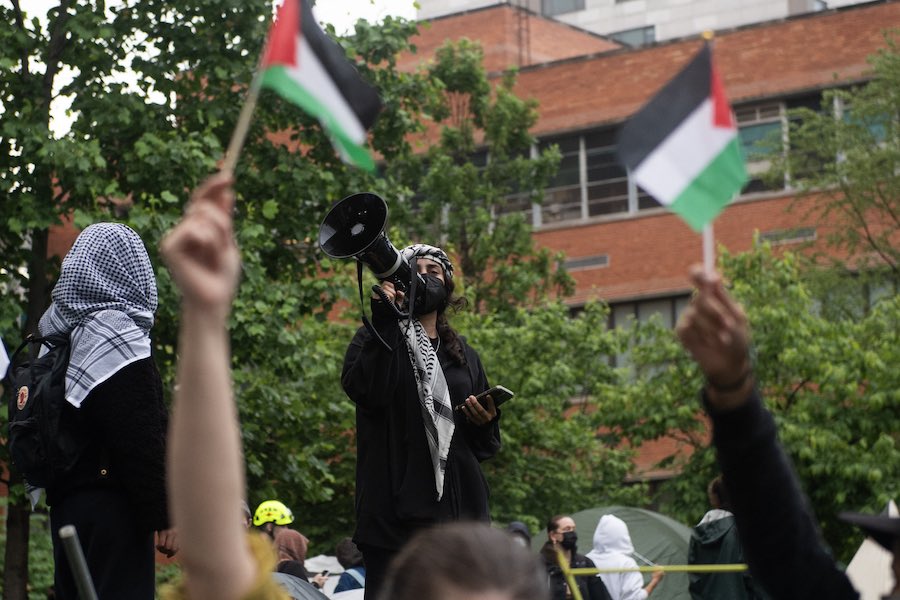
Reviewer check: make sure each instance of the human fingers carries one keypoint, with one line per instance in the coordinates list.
(167, 542)
(202, 256)
(713, 315)
(217, 190)
(490, 409)
(703, 279)
(202, 235)
(688, 332)
(710, 285)
(388, 288)
(474, 411)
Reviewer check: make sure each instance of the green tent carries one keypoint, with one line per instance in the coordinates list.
(655, 536)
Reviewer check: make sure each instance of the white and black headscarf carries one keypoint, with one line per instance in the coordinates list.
(104, 300)
(434, 394)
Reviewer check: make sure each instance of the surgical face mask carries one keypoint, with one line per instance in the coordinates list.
(569, 541)
(432, 298)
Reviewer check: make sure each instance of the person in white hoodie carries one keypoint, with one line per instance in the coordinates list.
(612, 550)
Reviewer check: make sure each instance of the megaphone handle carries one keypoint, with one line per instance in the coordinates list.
(362, 309)
(384, 298)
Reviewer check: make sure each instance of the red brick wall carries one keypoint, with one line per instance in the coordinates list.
(497, 29)
(650, 254)
(772, 59)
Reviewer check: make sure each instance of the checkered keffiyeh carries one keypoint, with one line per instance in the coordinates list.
(432, 252)
(434, 397)
(104, 300)
(434, 394)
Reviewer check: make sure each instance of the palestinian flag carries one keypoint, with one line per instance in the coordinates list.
(4, 360)
(683, 146)
(308, 68)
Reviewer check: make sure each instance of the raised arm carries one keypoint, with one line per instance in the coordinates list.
(205, 465)
(778, 530)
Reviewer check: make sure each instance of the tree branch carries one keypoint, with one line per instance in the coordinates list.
(20, 23)
(54, 51)
(792, 396)
(857, 213)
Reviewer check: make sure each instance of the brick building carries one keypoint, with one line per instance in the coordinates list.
(641, 22)
(622, 247)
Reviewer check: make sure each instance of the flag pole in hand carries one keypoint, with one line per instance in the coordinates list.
(241, 127)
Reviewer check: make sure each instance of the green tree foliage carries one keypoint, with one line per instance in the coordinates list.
(831, 384)
(148, 142)
(849, 153)
(477, 206)
(151, 141)
(552, 460)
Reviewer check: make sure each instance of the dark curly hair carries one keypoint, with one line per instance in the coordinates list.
(445, 331)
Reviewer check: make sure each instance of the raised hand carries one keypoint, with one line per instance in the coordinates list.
(200, 251)
(715, 331)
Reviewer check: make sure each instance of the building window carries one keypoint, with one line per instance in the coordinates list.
(623, 314)
(562, 198)
(607, 179)
(590, 182)
(761, 129)
(764, 133)
(637, 37)
(587, 262)
(550, 8)
(516, 204)
(796, 235)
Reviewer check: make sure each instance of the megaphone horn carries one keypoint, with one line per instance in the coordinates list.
(354, 228)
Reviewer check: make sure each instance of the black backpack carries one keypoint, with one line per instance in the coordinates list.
(41, 449)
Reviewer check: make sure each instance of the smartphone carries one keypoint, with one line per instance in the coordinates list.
(499, 393)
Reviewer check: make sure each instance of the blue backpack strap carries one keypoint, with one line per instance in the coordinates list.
(355, 574)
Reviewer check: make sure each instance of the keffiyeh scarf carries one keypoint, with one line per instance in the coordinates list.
(104, 300)
(434, 394)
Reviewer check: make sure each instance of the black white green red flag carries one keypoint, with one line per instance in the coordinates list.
(4, 360)
(309, 69)
(683, 148)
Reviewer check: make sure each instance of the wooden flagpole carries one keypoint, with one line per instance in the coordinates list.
(242, 126)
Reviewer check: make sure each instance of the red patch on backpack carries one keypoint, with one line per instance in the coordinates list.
(22, 397)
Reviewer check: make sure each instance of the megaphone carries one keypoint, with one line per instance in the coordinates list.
(354, 228)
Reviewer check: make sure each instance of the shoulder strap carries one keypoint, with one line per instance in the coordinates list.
(359, 577)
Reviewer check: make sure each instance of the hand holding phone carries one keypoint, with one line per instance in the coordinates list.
(498, 393)
(318, 581)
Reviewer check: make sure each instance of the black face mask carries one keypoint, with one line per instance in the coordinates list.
(432, 298)
(569, 541)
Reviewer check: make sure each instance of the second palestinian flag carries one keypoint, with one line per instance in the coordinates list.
(308, 68)
(683, 146)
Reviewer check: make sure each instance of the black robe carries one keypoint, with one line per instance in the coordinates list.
(395, 488)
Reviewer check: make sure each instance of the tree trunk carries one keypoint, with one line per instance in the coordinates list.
(15, 570)
(18, 512)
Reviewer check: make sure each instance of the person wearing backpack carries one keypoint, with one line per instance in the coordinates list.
(351, 559)
(114, 494)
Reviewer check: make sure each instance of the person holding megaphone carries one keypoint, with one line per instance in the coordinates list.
(421, 433)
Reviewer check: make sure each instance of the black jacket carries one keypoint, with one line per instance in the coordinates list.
(395, 488)
(779, 534)
(590, 586)
(125, 420)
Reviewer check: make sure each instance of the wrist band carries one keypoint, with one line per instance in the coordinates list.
(731, 387)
